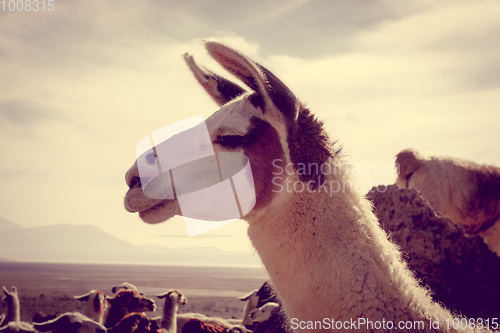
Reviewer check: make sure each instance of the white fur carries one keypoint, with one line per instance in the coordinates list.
(88, 307)
(264, 312)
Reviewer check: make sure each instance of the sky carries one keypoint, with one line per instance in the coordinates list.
(81, 85)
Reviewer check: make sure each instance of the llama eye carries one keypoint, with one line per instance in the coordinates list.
(231, 141)
(151, 158)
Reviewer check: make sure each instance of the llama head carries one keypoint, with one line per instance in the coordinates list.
(407, 162)
(264, 312)
(132, 301)
(267, 124)
(173, 297)
(10, 294)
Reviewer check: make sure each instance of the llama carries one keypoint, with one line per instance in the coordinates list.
(172, 322)
(125, 302)
(70, 322)
(267, 319)
(173, 299)
(329, 261)
(12, 321)
(135, 323)
(94, 305)
(465, 192)
(13, 306)
(257, 299)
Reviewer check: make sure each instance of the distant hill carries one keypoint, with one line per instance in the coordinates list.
(88, 243)
(7, 224)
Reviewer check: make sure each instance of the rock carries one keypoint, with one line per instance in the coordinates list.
(459, 269)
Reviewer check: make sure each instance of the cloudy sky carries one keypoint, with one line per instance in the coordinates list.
(81, 85)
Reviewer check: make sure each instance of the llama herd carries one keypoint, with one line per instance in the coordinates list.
(330, 262)
(126, 312)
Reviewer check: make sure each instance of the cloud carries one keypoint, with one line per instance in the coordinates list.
(458, 40)
(24, 112)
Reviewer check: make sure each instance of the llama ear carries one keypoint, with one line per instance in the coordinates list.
(83, 298)
(273, 96)
(163, 295)
(219, 88)
(245, 298)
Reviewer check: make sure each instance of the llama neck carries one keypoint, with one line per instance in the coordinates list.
(251, 304)
(14, 309)
(169, 320)
(90, 311)
(328, 258)
(115, 313)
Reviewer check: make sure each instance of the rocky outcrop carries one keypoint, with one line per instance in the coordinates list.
(458, 268)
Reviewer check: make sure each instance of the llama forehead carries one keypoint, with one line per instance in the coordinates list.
(233, 118)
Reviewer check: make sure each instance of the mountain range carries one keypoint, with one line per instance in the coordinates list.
(56, 243)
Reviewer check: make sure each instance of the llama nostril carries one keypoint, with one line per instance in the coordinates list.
(132, 182)
(132, 176)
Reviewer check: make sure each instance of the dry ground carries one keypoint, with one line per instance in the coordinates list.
(50, 287)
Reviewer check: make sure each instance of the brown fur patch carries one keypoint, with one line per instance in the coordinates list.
(98, 300)
(262, 148)
(408, 161)
(484, 203)
(310, 146)
(198, 326)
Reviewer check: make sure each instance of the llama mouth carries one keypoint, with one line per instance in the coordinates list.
(151, 211)
(160, 212)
